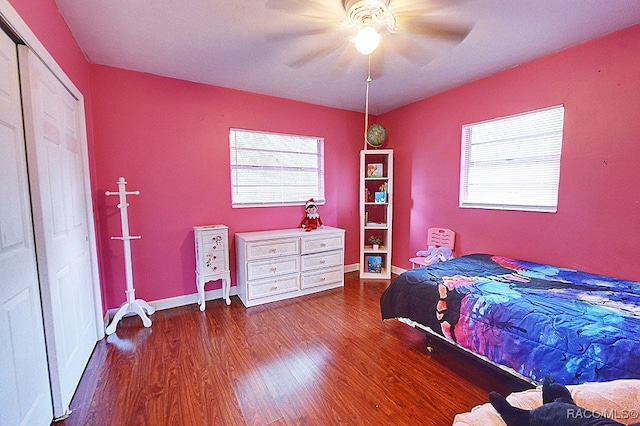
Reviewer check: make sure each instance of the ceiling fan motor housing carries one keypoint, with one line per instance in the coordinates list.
(369, 13)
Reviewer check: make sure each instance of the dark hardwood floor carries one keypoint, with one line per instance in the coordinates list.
(322, 359)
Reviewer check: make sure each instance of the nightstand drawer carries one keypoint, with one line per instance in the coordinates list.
(212, 241)
(321, 260)
(271, 248)
(214, 264)
(322, 243)
(264, 288)
(270, 268)
(314, 279)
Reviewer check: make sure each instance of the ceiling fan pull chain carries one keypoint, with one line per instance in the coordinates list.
(366, 104)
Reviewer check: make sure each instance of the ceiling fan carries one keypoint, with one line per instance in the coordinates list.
(398, 25)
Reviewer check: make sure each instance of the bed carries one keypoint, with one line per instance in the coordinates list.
(526, 318)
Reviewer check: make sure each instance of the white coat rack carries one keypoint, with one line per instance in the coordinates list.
(132, 305)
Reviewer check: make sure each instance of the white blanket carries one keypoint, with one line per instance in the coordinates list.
(618, 400)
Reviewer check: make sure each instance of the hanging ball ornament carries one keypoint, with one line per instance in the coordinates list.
(376, 135)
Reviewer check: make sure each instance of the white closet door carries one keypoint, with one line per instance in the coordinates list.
(55, 149)
(25, 397)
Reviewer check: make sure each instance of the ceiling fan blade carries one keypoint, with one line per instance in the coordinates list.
(309, 9)
(313, 55)
(346, 59)
(410, 50)
(349, 59)
(418, 8)
(290, 35)
(447, 32)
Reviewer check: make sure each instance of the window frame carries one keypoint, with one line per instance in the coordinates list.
(279, 181)
(518, 170)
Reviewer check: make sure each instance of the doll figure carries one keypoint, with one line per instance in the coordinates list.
(311, 220)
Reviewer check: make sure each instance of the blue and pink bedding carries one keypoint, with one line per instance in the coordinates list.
(533, 319)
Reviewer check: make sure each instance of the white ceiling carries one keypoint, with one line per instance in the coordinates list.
(237, 44)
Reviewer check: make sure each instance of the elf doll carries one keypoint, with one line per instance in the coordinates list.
(312, 218)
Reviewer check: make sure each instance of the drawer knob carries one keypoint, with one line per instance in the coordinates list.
(323, 244)
(323, 261)
(322, 279)
(273, 288)
(272, 250)
(273, 269)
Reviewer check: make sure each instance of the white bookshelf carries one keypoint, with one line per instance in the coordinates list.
(376, 213)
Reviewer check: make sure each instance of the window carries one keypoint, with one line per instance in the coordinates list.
(513, 163)
(269, 169)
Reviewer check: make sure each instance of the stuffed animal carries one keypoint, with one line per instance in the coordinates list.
(558, 408)
(436, 254)
(311, 220)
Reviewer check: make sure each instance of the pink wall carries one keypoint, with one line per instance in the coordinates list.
(45, 21)
(597, 226)
(170, 140)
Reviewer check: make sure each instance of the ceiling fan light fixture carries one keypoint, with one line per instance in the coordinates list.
(367, 40)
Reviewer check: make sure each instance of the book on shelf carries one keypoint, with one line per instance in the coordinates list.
(376, 224)
(374, 264)
(381, 197)
(367, 195)
(374, 170)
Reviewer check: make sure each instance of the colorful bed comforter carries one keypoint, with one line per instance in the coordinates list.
(531, 318)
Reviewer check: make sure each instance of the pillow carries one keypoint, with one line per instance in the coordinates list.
(558, 408)
(619, 396)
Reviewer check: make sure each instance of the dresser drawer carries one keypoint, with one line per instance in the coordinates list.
(264, 288)
(317, 278)
(321, 260)
(322, 243)
(256, 250)
(271, 268)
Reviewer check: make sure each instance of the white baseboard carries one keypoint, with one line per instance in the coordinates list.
(188, 299)
(397, 270)
(356, 267)
(174, 302)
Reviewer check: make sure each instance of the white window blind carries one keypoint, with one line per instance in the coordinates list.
(513, 163)
(270, 169)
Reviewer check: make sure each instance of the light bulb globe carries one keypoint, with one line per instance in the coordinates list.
(367, 40)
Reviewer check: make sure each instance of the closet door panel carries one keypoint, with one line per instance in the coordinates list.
(24, 377)
(62, 224)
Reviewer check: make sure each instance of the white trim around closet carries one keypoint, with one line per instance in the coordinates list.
(18, 26)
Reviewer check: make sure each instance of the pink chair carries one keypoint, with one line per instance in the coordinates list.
(436, 237)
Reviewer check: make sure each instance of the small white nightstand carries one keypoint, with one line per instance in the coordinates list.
(212, 259)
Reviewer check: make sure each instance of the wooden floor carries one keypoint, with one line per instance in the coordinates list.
(323, 359)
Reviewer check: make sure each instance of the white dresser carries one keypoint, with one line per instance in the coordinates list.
(281, 264)
(212, 259)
